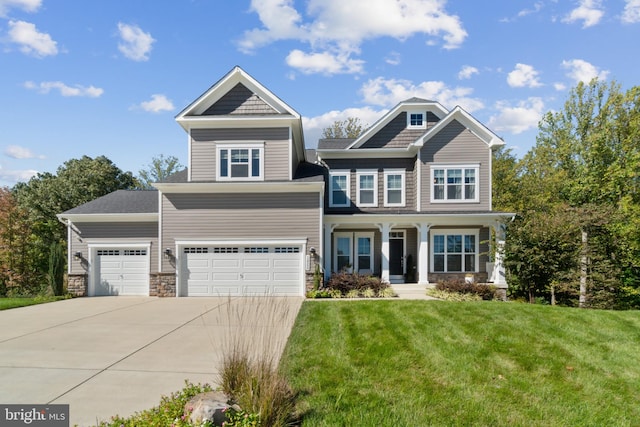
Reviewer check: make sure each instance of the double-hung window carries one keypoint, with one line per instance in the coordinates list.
(339, 184)
(394, 187)
(353, 252)
(240, 162)
(454, 183)
(367, 188)
(454, 252)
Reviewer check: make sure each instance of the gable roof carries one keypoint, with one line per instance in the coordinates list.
(404, 106)
(225, 85)
(467, 120)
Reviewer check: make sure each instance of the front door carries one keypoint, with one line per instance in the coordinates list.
(396, 256)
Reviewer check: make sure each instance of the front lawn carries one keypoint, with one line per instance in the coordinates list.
(418, 363)
(7, 303)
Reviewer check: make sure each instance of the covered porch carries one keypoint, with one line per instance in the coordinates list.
(416, 248)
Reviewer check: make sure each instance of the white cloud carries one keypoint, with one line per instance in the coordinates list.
(31, 41)
(523, 76)
(631, 13)
(581, 71)
(467, 72)
(324, 62)
(313, 126)
(76, 90)
(559, 86)
(388, 92)
(17, 152)
(17, 175)
(393, 58)
(135, 44)
(157, 104)
(519, 118)
(590, 12)
(342, 25)
(26, 5)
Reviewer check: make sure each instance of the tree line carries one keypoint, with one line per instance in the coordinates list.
(576, 237)
(33, 240)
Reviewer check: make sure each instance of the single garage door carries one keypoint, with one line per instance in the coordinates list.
(122, 272)
(243, 270)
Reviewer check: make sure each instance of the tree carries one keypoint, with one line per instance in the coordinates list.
(17, 275)
(350, 128)
(158, 170)
(76, 182)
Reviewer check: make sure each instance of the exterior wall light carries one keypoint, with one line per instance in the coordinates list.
(167, 253)
(77, 256)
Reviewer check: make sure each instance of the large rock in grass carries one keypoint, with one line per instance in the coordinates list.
(209, 406)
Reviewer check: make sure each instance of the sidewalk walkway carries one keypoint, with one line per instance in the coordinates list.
(411, 291)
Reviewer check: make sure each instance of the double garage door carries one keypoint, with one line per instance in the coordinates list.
(121, 271)
(241, 270)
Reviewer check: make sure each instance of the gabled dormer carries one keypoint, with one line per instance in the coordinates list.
(419, 157)
(240, 131)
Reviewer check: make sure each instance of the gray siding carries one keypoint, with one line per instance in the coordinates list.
(115, 232)
(380, 165)
(240, 216)
(394, 135)
(239, 101)
(456, 145)
(276, 151)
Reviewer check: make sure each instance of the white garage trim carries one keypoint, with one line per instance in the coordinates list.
(235, 251)
(94, 270)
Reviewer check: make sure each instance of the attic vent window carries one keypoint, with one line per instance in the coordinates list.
(415, 120)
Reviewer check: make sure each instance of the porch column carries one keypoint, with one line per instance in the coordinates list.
(384, 229)
(326, 262)
(423, 254)
(498, 276)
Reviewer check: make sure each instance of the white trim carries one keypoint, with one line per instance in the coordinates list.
(347, 174)
(94, 246)
(402, 173)
(189, 142)
(416, 112)
(419, 181)
(455, 232)
(367, 172)
(119, 217)
(69, 254)
(240, 145)
(447, 167)
(160, 242)
(241, 187)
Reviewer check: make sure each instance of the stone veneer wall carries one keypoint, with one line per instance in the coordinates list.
(162, 285)
(78, 285)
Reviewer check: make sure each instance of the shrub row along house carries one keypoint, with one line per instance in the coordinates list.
(255, 212)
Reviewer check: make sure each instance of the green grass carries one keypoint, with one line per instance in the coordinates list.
(7, 303)
(425, 363)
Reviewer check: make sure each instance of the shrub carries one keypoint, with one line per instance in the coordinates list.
(344, 282)
(368, 293)
(387, 292)
(453, 296)
(485, 292)
(319, 293)
(353, 293)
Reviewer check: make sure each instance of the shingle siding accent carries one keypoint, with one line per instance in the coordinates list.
(455, 145)
(240, 216)
(380, 165)
(276, 150)
(394, 135)
(239, 101)
(115, 232)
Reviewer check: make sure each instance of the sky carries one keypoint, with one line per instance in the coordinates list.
(107, 77)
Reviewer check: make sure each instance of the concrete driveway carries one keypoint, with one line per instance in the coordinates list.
(117, 355)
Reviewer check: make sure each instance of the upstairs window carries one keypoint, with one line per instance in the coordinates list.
(454, 183)
(367, 188)
(416, 120)
(240, 163)
(339, 184)
(394, 187)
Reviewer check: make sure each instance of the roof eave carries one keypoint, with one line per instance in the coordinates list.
(109, 217)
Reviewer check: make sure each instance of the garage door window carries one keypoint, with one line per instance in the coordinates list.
(225, 250)
(107, 252)
(135, 252)
(287, 250)
(256, 250)
(196, 250)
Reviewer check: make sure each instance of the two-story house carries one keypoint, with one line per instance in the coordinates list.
(254, 212)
